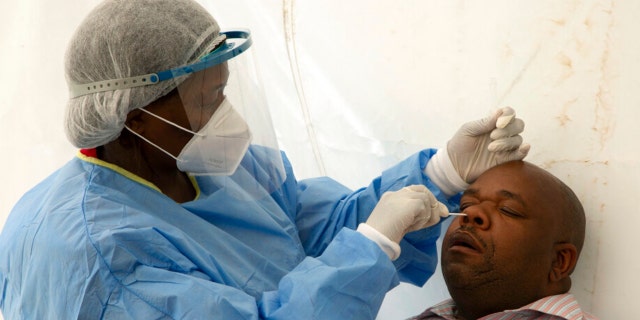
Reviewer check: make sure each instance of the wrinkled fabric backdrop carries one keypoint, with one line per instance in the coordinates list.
(354, 86)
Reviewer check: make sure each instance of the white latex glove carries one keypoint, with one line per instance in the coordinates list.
(475, 147)
(408, 209)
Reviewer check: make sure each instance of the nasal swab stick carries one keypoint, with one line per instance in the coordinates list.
(457, 214)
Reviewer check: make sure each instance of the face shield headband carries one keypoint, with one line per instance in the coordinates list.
(223, 51)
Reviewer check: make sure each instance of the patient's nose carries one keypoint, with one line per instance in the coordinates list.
(476, 217)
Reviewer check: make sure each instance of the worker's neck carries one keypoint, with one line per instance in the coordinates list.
(163, 173)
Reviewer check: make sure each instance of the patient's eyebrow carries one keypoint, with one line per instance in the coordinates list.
(511, 195)
(473, 192)
(470, 192)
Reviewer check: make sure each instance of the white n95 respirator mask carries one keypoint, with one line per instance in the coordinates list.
(217, 148)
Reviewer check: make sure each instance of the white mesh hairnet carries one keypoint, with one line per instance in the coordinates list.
(125, 38)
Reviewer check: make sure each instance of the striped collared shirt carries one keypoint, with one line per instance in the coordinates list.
(558, 307)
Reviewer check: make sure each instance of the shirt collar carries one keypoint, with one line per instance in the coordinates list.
(563, 306)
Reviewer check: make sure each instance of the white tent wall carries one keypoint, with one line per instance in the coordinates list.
(354, 86)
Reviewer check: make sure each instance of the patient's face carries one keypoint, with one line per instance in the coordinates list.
(505, 242)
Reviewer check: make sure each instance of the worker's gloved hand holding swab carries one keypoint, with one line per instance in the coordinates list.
(399, 212)
(475, 147)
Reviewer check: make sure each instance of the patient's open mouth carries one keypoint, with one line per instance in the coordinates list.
(464, 240)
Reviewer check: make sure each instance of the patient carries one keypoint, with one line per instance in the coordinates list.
(514, 252)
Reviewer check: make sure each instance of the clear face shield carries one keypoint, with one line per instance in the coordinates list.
(234, 144)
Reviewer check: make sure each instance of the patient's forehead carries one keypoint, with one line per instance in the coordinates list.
(529, 175)
(536, 187)
(511, 176)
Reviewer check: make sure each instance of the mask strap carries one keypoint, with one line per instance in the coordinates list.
(151, 143)
(171, 123)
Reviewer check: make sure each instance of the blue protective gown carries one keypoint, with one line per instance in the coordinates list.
(93, 241)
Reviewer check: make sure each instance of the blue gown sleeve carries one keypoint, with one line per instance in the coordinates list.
(325, 206)
(348, 281)
(327, 287)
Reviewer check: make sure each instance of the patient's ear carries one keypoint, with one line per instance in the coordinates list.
(566, 257)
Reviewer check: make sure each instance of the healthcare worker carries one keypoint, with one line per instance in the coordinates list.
(179, 204)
